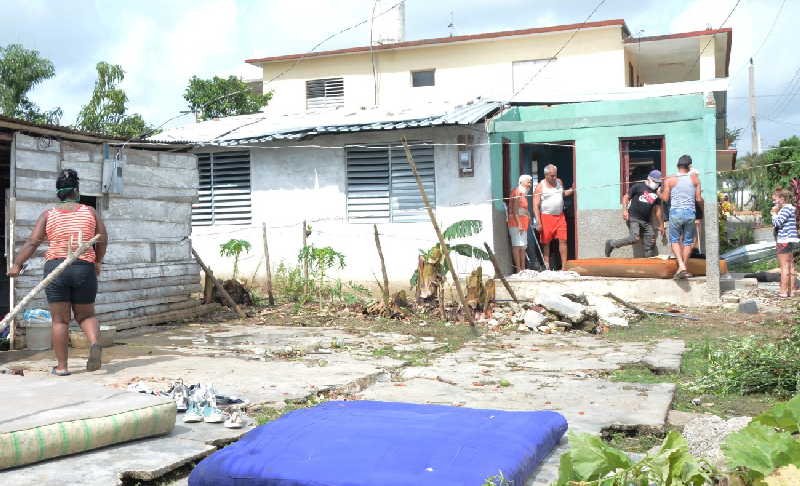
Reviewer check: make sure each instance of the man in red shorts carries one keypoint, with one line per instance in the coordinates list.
(548, 206)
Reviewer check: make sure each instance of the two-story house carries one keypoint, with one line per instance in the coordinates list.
(479, 110)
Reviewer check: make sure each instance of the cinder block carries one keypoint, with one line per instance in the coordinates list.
(43, 144)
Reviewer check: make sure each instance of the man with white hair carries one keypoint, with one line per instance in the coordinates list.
(519, 219)
(548, 208)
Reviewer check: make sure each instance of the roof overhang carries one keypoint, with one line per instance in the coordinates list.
(57, 131)
(671, 57)
(448, 40)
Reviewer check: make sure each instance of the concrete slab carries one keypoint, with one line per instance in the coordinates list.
(690, 292)
(665, 356)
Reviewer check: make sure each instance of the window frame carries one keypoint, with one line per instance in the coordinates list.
(394, 151)
(624, 160)
(244, 199)
(331, 101)
(417, 71)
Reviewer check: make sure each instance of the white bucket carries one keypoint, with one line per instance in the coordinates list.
(38, 335)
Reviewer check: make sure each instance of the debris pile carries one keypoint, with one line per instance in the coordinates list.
(550, 313)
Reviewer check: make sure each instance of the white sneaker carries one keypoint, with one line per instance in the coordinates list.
(234, 421)
(211, 414)
(192, 414)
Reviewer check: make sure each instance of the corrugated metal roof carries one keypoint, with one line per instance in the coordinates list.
(267, 127)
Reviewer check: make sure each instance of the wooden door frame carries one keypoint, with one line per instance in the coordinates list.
(571, 145)
(624, 160)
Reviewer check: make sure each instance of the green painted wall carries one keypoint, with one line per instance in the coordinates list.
(688, 127)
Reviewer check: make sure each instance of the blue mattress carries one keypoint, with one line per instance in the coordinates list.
(359, 443)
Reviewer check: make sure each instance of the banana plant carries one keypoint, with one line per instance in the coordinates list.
(432, 268)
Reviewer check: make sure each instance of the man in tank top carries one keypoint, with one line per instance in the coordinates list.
(682, 191)
(548, 207)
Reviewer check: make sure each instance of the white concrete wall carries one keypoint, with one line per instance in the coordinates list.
(593, 61)
(292, 184)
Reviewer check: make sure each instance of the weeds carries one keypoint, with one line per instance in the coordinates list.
(753, 364)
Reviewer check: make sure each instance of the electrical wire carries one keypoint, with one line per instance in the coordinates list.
(764, 41)
(555, 56)
(696, 61)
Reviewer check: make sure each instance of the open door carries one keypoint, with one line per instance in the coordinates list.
(533, 159)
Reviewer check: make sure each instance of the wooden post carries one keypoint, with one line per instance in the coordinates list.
(225, 295)
(498, 273)
(11, 208)
(208, 289)
(270, 297)
(385, 288)
(305, 243)
(46, 281)
(445, 250)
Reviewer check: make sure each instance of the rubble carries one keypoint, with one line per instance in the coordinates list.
(534, 319)
(704, 436)
(563, 307)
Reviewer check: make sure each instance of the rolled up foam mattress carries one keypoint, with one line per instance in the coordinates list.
(52, 417)
(360, 443)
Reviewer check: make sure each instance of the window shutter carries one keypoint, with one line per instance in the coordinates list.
(224, 189)
(407, 205)
(324, 93)
(368, 184)
(381, 187)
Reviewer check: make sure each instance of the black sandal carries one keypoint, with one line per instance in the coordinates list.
(95, 354)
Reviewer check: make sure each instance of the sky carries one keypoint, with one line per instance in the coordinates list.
(162, 44)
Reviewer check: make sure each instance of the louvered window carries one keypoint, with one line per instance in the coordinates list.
(381, 187)
(224, 189)
(324, 93)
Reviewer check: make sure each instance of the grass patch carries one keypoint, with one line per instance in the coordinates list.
(634, 440)
(265, 415)
(709, 357)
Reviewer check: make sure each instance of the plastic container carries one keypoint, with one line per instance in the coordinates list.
(38, 329)
(77, 339)
(38, 335)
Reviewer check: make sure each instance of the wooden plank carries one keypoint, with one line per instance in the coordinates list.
(198, 311)
(164, 177)
(147, 311)
(29, 281)
(148, 210)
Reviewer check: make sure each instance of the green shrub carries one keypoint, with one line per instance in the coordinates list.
(753, 364)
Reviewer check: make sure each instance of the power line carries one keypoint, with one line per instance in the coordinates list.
(792, 89)
(696, 61)
(554, 56)
(766, 37)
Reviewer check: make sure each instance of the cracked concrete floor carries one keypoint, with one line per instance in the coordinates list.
(270, 365)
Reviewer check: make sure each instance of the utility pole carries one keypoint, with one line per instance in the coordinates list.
(756, 144)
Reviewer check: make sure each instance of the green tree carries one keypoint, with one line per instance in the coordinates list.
(234, 248)
(20, 70)
(775, 167)
(106, 110)
(219, 97)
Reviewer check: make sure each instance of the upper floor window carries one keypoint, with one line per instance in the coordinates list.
(224, 189)
(423, 78)
(324, 93)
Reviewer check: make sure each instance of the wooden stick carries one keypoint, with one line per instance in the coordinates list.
(225, 295)
(208, 290)
(498, 273)
(46, 281)
(626, 304)
(270, 297)
(385, 288)
(445, 249)
(305, 243)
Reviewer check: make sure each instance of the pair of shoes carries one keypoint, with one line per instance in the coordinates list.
(681, 275)
(57, 372)
(202, 406)
(608, 248)
(95, 355)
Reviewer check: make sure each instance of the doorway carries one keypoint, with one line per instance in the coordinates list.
(533, 159)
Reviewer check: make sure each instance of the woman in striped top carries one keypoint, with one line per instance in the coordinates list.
(73, 292)
(784, 218)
